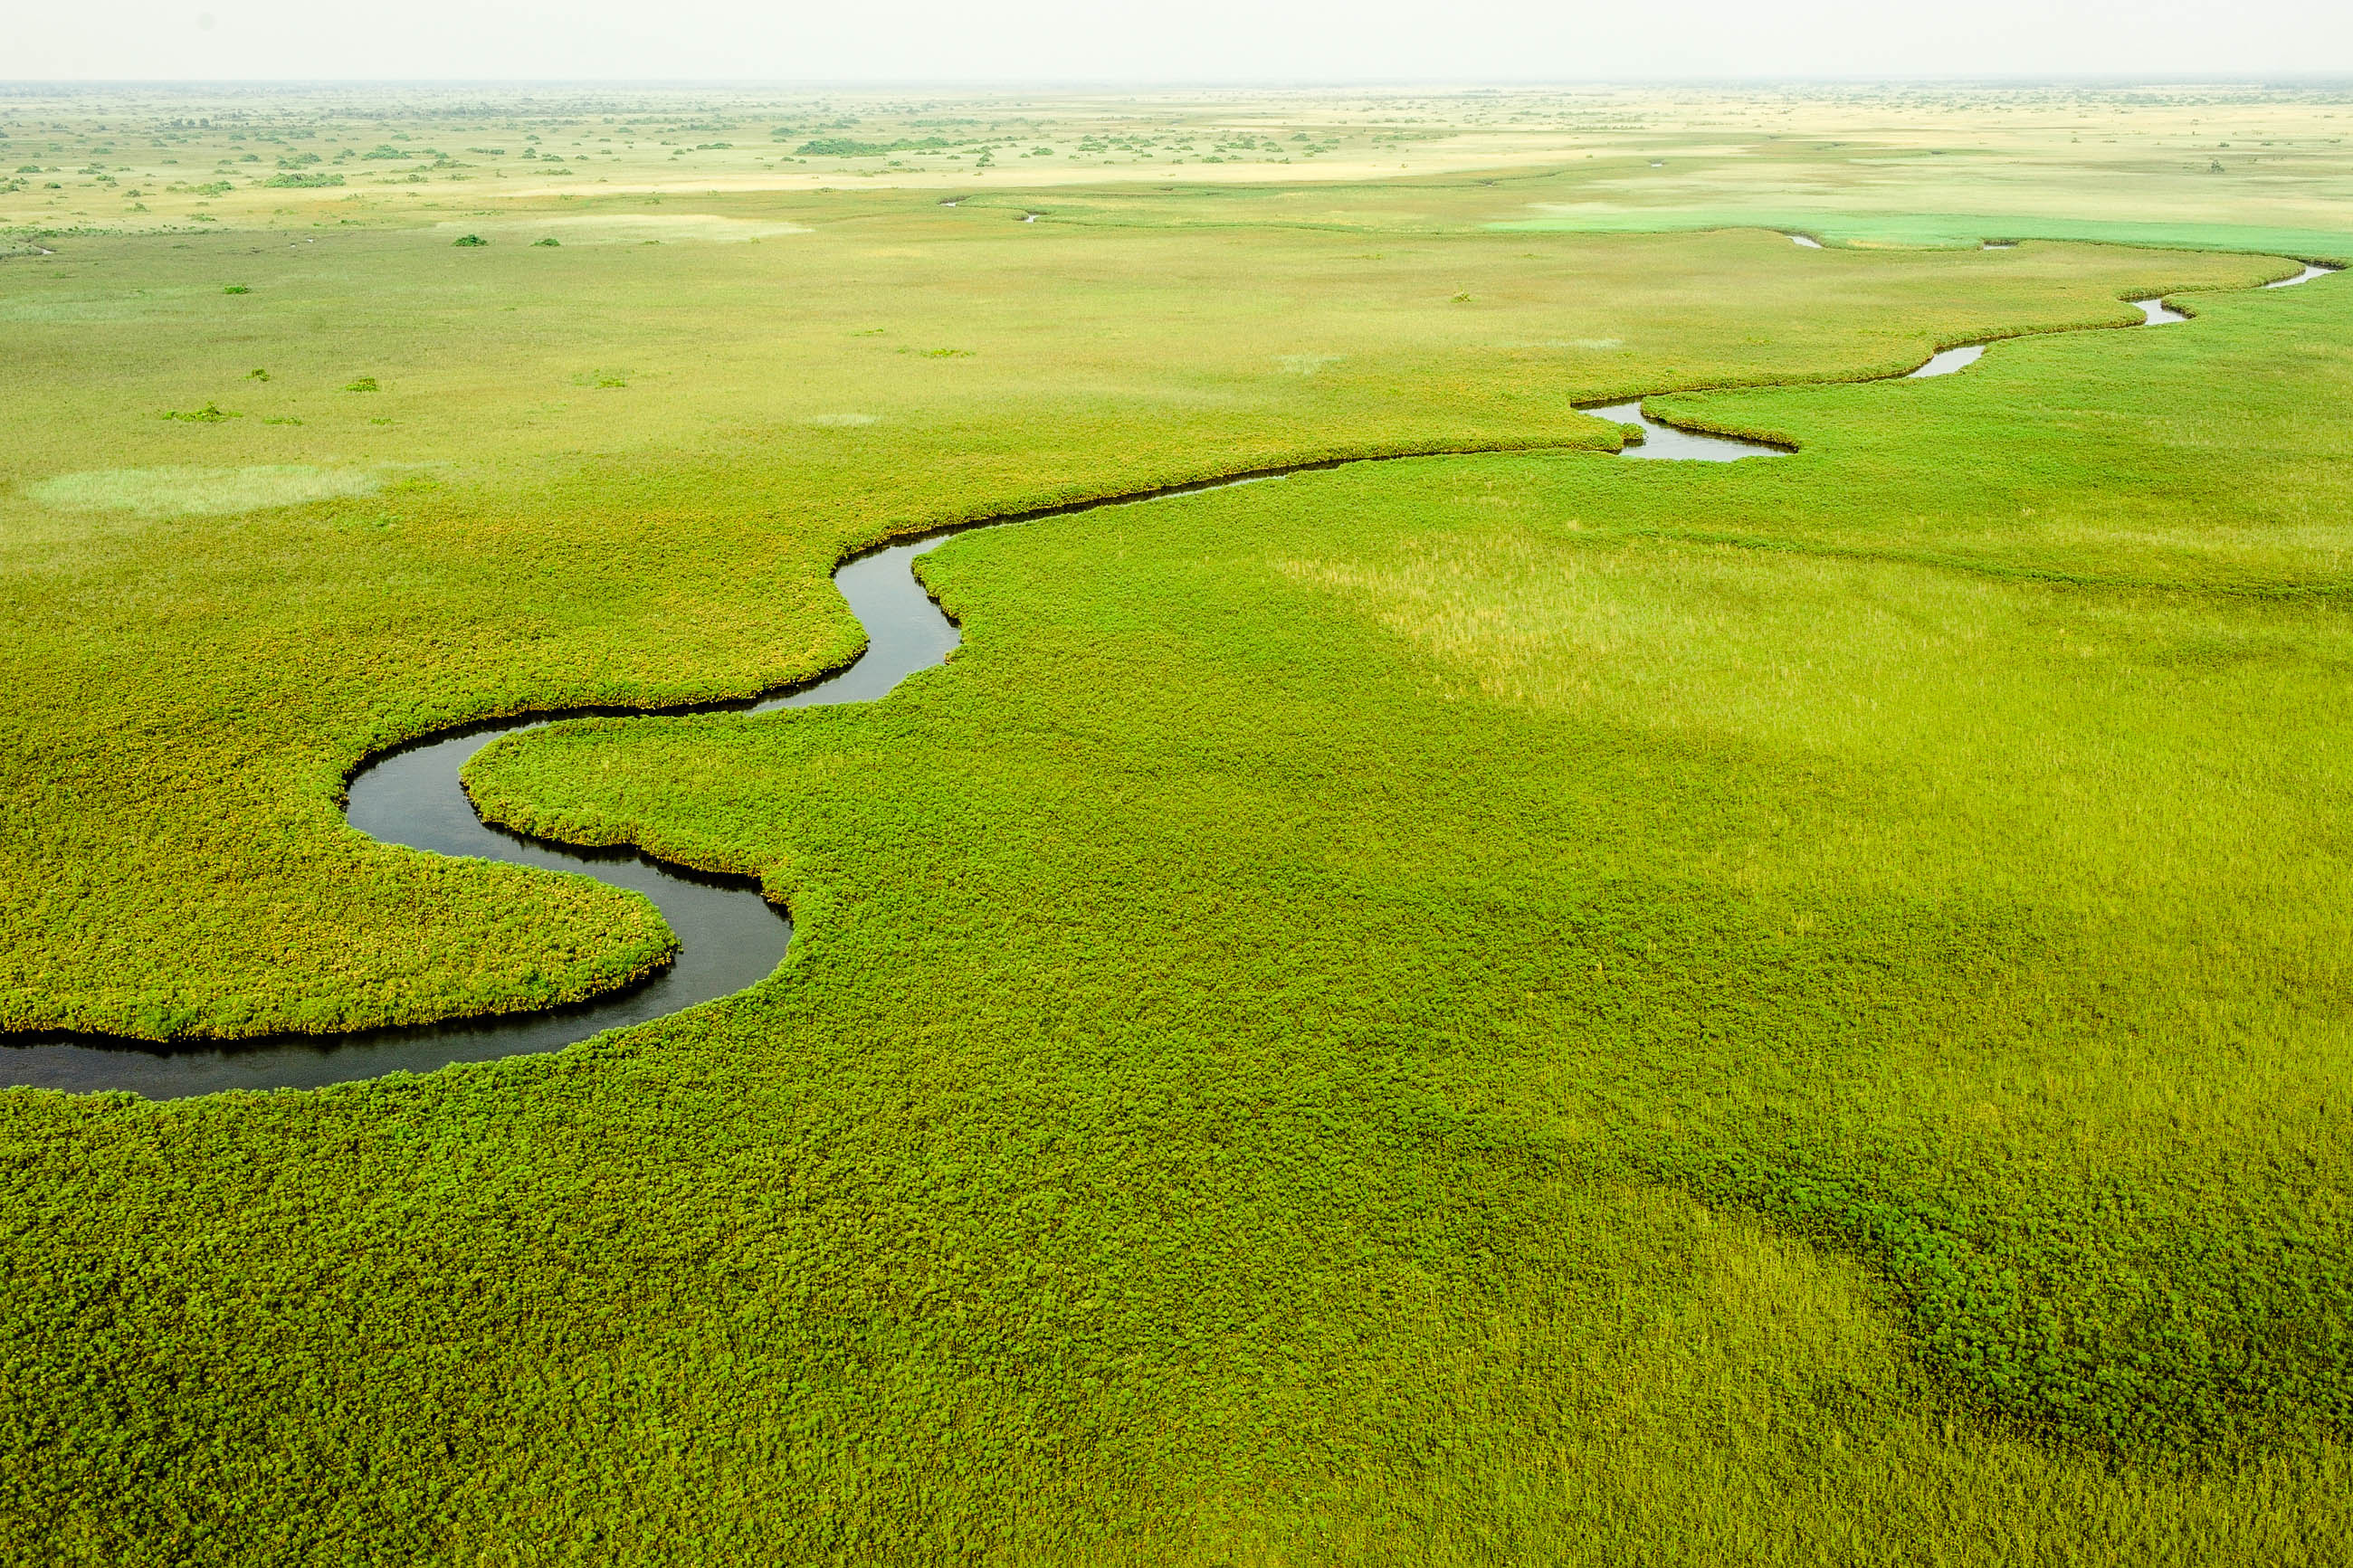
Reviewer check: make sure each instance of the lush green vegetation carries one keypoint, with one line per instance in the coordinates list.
(1512, 1008)
(674, 443)
(1984, 914)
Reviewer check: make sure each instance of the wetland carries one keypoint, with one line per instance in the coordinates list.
(1413, 990)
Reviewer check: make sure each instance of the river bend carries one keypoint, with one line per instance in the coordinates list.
(730, 937)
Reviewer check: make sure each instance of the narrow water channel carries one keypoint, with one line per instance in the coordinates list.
(2307, 275)
(730, 937)
(1946, 361)
(1670, 443)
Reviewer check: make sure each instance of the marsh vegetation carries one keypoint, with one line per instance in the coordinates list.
(1503, 1005)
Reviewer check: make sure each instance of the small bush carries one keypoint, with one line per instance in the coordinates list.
(236, 288)
(210, 414)
(365, 384)
(844, 147)
(550, 239)
(469, 239)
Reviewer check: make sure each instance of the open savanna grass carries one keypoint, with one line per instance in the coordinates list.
(1508, 1008)
(167, 492)
(671, 444)
(2066, 161)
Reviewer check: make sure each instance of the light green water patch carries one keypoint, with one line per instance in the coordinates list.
(205, 492)
(1943, 230)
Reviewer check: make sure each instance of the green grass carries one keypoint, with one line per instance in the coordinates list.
(215, 491)
(1866, 839)
(1950, 229)
(199, 692)
(1518, 1007)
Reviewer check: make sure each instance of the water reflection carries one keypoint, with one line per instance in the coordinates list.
(1661, 440)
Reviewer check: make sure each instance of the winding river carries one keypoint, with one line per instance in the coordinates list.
(730, 937)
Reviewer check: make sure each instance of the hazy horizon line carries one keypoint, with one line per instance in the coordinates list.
(2342, 79)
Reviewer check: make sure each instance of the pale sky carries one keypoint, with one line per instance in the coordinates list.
(1255, 41)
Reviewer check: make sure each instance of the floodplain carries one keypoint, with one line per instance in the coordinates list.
(1499, 1004)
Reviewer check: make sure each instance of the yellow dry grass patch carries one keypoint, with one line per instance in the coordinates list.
(178, 492)
(1522, 622)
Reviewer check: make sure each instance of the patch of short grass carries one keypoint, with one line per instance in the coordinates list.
(201, 492)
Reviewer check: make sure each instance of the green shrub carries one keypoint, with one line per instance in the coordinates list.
(843, 147)
(469, 239)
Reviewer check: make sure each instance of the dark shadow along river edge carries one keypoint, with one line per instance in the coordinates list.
(730, 937)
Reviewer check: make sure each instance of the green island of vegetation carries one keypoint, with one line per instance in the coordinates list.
(1508, 1005)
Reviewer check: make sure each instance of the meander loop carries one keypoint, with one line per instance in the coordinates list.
(730, 936)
